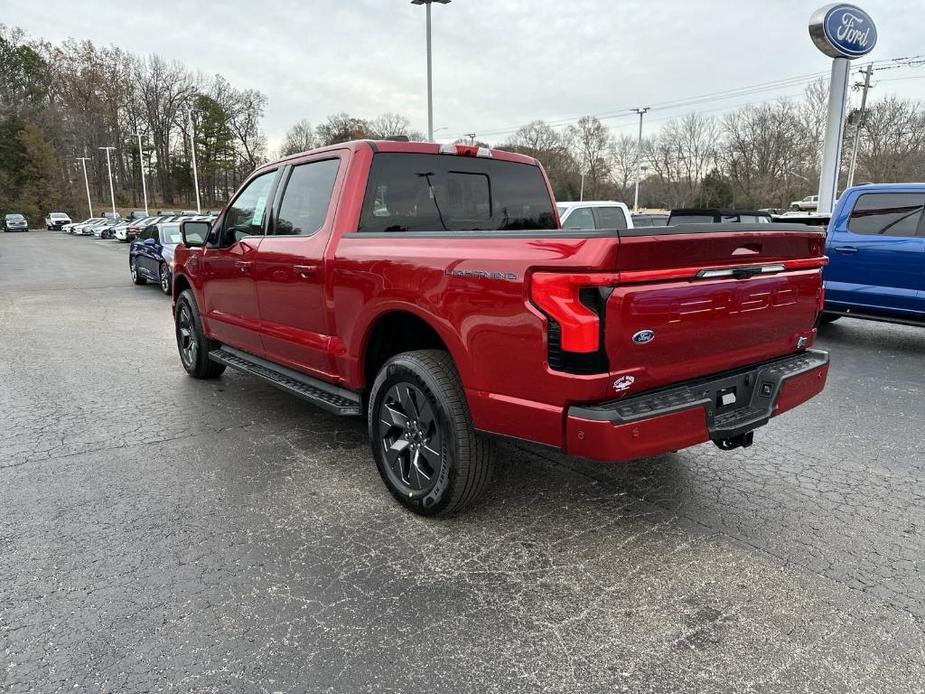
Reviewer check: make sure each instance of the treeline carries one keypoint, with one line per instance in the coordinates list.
(762, 155)
(61, 102)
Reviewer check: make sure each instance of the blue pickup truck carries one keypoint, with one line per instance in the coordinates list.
(876, 249)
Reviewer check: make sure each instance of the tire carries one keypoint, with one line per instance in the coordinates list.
(426, 449)
(827, 318)
(192, 343)
(164, 275)
(136, 277)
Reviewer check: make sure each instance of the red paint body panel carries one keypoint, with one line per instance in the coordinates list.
(475, 292)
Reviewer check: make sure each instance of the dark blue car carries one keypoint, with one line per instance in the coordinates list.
(150, 255)
(876, 249)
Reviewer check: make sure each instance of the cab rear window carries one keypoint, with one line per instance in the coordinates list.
(427, 192)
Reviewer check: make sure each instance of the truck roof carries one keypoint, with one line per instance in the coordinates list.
(401, 147)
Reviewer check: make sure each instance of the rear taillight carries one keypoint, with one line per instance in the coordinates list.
(564, 299)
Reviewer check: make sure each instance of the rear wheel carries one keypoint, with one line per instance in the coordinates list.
(136, 276)
(192, 342)
(421, 432)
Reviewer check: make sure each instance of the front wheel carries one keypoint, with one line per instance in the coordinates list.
(425, 447)
(136, 276)
(192, 342)
(164, 273)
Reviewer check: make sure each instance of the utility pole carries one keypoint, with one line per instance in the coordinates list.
(471, 137)
(857, 129)
(141, 165)
(83, 161)
(641, 112)
(192, 137)
(112, 193)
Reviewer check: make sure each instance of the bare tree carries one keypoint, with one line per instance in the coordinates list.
(342, 127)
(165, 90)
(591, 147)
(390, 125)
(299, 138)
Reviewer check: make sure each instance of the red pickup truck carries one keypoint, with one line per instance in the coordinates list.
(431, 289)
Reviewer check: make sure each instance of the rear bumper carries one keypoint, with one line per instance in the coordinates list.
(691, 413)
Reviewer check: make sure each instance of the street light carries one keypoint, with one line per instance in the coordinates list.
(83, 161)
(141, 165)
(430, 73)
(192, 137)
(641, 112)
(112, 193)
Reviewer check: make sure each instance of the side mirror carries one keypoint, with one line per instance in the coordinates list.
(195, 233)
(150, 242)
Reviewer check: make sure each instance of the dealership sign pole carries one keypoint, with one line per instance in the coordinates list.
(843, 32)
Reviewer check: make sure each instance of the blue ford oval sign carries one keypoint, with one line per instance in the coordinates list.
(843, 31)
(644, 336)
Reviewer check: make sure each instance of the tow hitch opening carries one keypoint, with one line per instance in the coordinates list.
(740, 441)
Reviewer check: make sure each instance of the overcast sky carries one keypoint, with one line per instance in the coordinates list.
(497, 63)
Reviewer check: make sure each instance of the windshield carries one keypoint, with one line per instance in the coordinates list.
(170, 234)
(59, 215)
(427, 192)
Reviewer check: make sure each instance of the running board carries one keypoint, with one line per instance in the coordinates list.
(329, 397)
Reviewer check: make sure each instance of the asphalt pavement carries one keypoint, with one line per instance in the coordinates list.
(159, 533)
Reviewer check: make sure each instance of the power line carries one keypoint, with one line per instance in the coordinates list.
(722, 95)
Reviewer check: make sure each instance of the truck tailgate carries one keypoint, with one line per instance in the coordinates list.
(693, 302)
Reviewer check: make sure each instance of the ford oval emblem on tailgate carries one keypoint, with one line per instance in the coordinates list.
(644, 336)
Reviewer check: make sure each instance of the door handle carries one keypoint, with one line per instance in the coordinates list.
(305, 271)
(244, 265)
(846, 250)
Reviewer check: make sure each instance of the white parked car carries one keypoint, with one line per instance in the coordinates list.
(594, 214)
(55, 221)
(810, 202)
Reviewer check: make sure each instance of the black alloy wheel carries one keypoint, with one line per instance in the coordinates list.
(186, 337)
(426, 449)
(194, 346)
(411, 440)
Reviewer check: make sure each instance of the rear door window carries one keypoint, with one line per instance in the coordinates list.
(581, 219)
(888, 214)
(306, 198)
(610, 218)
(427, 192)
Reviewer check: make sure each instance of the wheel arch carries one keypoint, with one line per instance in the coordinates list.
(398, 330)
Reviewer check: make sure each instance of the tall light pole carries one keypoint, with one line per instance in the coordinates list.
(430, 71)
(83, 161)
(112, 192)
(141, 165)
(192, 137)
(641, 112)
